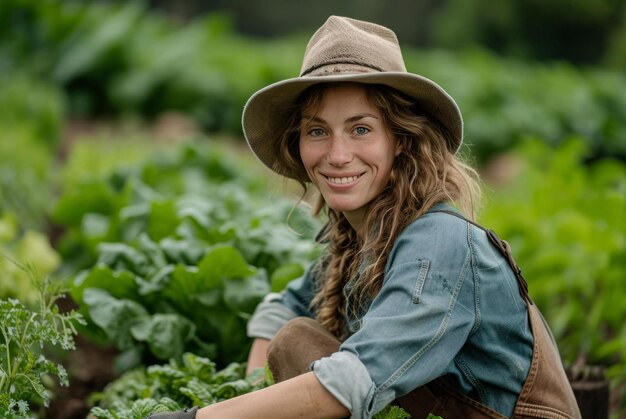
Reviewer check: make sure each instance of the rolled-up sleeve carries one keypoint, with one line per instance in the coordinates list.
(414, 327)
(277, 309)
(351, 385)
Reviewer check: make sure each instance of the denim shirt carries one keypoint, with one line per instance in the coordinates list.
(449, 305)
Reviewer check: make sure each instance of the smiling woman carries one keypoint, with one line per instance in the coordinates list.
(411, 303)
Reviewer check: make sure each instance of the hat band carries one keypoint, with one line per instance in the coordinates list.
(335, 62)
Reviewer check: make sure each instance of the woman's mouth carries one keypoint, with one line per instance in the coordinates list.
(342, 180)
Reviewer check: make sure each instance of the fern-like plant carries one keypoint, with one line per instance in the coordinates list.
(24, 334)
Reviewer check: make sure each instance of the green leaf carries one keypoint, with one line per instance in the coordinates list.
(199, 392)
(243, 295)
(396, 412)
(232, 389)
(166, 334)
(285, 274)
(95, 226)
(198, 366)
(187, 252)
(222, 262)
(233, 371)
(144, 407)
(118, 284)
(90, 197)
(184, 287)
(162, 220)
(211, 298)
(100, 413)
(153, 252)
(120, 256)
(157, 281)
(114, 316)
(133, 221)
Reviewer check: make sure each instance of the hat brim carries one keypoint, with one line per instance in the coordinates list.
(268, 105)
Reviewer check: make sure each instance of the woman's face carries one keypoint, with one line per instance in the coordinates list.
(347, 150)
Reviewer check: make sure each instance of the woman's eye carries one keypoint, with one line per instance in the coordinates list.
(361, 130)
(316, 132)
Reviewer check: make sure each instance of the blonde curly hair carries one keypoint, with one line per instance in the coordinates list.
(425, 173)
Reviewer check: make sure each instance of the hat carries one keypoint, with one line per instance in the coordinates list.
(344, 50)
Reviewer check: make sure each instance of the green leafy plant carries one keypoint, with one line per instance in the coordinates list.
(392, 412)
(191, 289)
(505, 102)
(23, 335)
(180, 252)
(195, 381)
(115, 205)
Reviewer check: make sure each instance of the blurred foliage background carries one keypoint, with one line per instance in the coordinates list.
(114, 113)
(572, 30)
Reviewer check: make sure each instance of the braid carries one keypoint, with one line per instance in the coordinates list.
(338, 269)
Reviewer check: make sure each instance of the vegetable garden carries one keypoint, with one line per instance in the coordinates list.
(137, 233)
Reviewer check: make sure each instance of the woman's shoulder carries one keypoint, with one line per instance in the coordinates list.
(437, 221)
(433, 235)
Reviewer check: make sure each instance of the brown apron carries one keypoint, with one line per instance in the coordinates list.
(546, 393)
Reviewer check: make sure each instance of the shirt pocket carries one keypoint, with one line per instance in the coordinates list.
(423, 266)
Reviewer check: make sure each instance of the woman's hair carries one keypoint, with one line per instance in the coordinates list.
(423, 174)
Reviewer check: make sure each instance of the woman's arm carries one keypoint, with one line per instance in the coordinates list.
(257, 355)
(299, 397)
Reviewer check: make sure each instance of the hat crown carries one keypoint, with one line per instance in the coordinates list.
(344, 45)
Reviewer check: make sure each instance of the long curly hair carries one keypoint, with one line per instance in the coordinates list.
(423, 174)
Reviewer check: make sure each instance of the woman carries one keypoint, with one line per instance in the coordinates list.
(411, 302)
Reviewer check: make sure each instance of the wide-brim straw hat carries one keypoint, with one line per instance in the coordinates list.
(344, 50)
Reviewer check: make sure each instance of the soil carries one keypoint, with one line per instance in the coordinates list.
(90, 369)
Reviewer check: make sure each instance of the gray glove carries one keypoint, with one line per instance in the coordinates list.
(185, 414)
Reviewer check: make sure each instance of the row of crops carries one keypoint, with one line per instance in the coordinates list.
(122, 59)
(164, 248)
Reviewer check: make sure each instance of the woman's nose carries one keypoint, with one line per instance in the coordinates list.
(339, 153)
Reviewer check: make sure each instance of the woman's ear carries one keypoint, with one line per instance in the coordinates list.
(399, 148)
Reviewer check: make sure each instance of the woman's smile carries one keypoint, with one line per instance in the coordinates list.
(343, 180)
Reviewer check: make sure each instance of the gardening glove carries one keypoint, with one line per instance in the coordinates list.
(185, 414)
